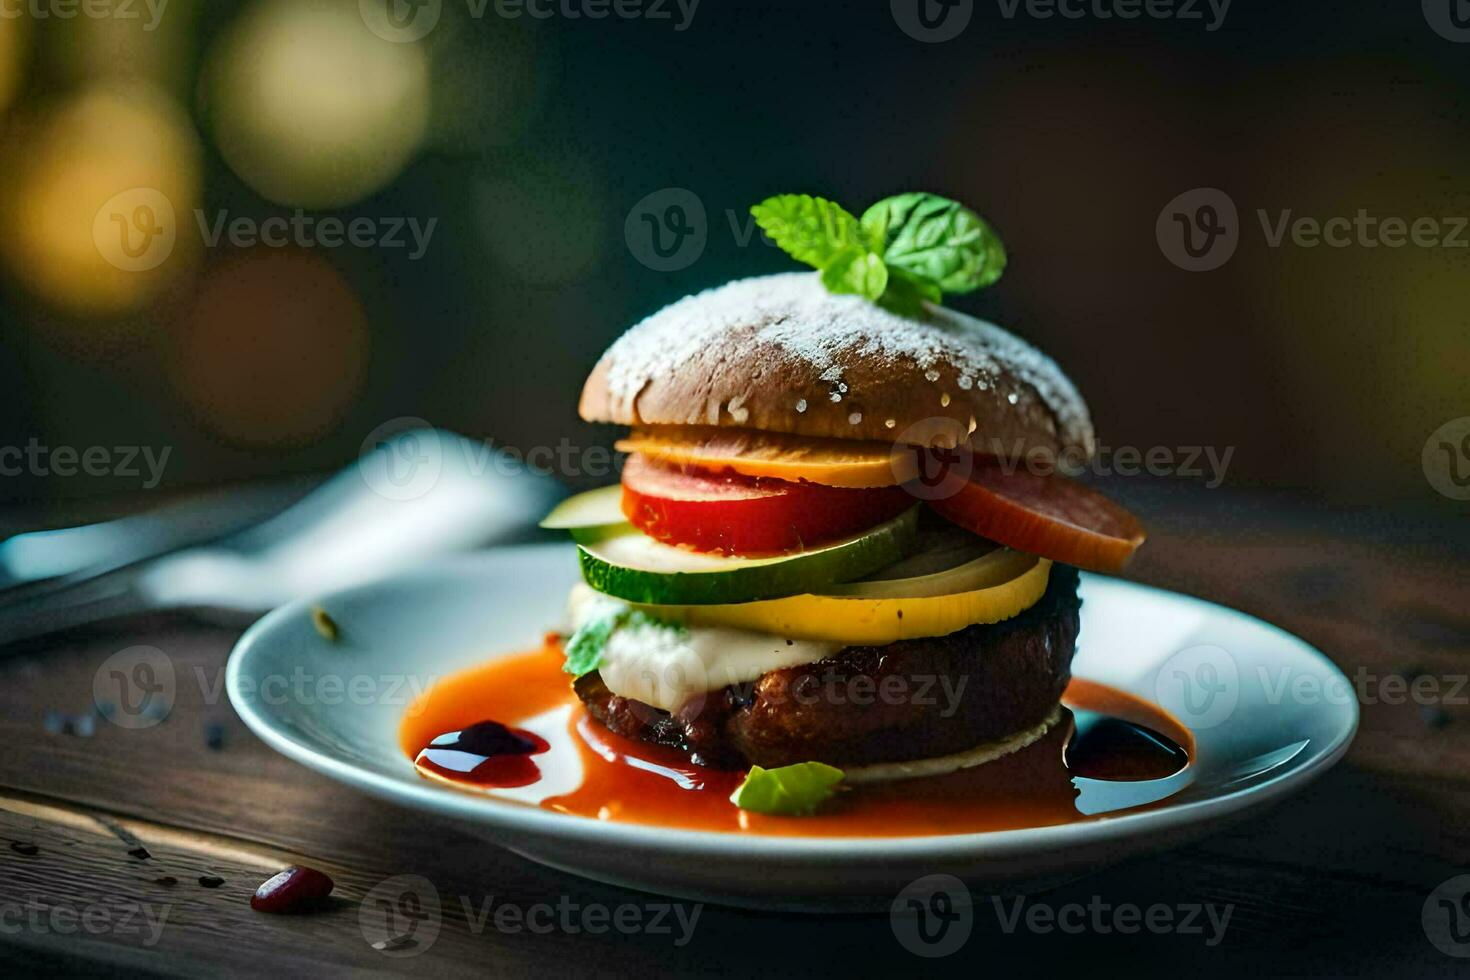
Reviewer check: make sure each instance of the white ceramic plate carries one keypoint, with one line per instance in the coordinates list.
(1268, 711)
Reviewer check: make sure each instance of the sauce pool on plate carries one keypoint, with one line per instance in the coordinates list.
(513, 728)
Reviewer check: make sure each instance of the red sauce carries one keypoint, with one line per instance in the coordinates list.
(1127, 739)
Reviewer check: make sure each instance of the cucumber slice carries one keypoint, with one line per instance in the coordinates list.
(936, 553)
(598, 508)
(635, 567)
(991, 569)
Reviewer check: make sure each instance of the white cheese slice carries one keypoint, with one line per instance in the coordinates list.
(666, 666)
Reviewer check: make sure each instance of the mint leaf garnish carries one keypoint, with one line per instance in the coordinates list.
(906, 250)
(789, 791)
(936, 240)
(855, 271)
(809, 229)
(906, 294)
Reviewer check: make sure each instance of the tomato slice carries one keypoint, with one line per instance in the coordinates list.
(731, 514)
(1050, 516)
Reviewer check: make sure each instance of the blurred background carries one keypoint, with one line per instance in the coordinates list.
(254, 232)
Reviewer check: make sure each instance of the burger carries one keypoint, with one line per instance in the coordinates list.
(846, 538)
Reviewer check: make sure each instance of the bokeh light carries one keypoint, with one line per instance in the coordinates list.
(12, 57)
(154, 43)
(311, 108)
(274, 350)
(99, 197)
(1374, 338)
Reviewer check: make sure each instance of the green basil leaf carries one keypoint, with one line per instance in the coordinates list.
(584, 649)
(810, 229)
(789, 791)
(935, 240)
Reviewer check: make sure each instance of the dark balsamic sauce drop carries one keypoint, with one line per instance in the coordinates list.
(486, 753)
(1110, 748)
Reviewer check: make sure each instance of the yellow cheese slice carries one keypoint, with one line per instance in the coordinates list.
(830, 462)
(859, 620)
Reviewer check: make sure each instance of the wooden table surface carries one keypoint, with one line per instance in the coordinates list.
(110, 838)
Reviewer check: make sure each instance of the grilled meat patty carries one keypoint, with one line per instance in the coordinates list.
(913, 699)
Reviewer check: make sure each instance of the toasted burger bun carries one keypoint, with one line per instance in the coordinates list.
(781, 354)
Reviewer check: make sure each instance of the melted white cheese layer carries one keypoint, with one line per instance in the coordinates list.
(666, 666)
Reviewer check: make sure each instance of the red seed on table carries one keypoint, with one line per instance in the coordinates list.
(292, 890)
